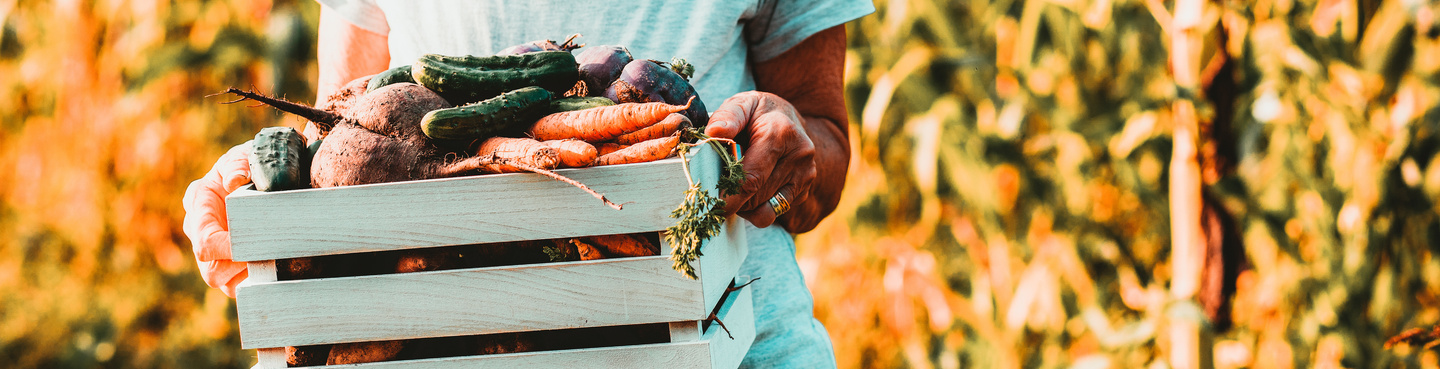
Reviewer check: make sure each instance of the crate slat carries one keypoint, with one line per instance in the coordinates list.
(666, 355)
(488, 209)
(457, 211)
(720, 259)
(468, 301)
(264, 272)
(716, 350)
(738, 314)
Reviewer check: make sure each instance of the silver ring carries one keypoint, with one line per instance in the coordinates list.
(779, 204)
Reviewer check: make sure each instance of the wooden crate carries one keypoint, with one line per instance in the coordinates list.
(486, 209)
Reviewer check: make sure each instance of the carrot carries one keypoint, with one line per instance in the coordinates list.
(603, 123)
(587, 251)
(364, 352)
(609, 147)
(623, 245)
(573, 153)
(306, 355)
(522, 150)
(652, 150)
(666, 127)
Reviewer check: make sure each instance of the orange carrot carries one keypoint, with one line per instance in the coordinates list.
(666, 127)
(652, 150)
(587, 251)
(608, 147)
(522, 150)
(623, 245)
(603, 123)
(574, 153)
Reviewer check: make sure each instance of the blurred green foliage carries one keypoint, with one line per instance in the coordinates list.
(1008, 205)
(105, 124)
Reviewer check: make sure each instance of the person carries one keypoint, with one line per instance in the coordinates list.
(777, 64)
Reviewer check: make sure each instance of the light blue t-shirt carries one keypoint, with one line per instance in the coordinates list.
(718, 37)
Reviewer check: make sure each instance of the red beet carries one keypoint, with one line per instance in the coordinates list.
(601, 65)
(340, 100)
(648, 81)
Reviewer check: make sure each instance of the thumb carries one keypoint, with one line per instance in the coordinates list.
(731, 117)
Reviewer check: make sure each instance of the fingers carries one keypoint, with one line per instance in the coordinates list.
(205, 222)
(795, 181)
(778, 155)
(234, 167)
(235, 281)
(205, 219)
(732, 116)
(765, 215)
(223, 274)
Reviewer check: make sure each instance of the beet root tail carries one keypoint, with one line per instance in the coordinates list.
(323, 120)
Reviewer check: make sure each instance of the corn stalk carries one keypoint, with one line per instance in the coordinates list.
(1187, 255)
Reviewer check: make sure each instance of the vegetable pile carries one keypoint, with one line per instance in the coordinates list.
(531, 108)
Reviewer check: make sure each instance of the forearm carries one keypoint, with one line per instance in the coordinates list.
(346, 52)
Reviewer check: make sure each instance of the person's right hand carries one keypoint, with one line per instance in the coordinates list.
(206, 224)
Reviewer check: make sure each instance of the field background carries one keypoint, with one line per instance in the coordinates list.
(1008, 205)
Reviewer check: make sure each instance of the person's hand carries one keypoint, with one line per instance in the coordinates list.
(206, 224)
(778, 156)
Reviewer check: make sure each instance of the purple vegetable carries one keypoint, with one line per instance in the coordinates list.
(650, 81)
(600, 65)
(542, 45)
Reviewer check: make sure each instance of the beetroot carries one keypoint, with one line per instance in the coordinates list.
(600, 65)
(341, 99)
(542, 45)
(377, 138)
(380, 140)
(650, 81)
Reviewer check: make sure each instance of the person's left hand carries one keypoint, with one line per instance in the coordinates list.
(206, 224)
(778, 155)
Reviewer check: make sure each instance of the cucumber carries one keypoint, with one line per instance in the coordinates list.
(467, 79)
(578, 103)
(389, 77)
(509, 112)
(278, 160)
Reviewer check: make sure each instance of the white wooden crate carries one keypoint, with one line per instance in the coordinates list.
(486, 209)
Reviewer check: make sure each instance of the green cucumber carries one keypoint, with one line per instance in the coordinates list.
(278, 160)
(578, 103)
(467, 79)
(510, 112)
(389, 77)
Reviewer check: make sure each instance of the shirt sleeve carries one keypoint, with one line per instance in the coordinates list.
(778, 25)
(362, 13)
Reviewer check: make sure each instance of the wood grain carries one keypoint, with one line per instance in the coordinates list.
(455, 211)
(716, 350)
(484, 209)
(685, 331)
(721, 259)
(464, 302)
(664, 355)
(264, 272)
